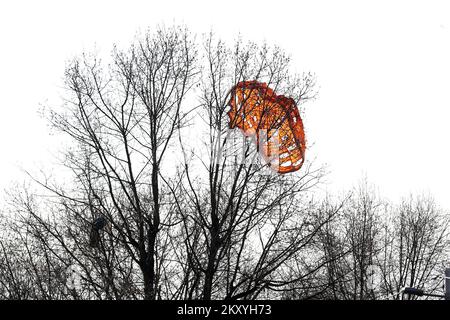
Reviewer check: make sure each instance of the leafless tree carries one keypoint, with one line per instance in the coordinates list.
(415, 247)
(123, 118)
(374, 249)
(242, 222)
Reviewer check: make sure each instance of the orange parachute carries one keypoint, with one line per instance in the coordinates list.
(274, 120)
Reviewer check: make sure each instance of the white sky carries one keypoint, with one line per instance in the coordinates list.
(383, 68)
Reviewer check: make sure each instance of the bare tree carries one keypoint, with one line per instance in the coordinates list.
(415, 247)
(348, 244)
(374, 249)
(242, 223)
(123, 118)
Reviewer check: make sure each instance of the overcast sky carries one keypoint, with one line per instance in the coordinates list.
(383, 68)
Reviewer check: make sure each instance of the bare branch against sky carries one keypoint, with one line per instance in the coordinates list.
(383, 72)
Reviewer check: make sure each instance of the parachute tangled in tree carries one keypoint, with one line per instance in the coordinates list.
(275, 121)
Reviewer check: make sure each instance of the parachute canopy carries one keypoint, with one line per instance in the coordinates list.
(275, 121)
